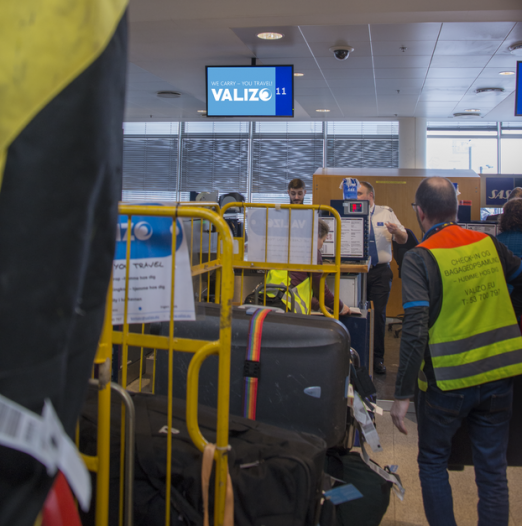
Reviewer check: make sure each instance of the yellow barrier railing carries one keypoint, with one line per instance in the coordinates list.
(201, 349)
(325, 269)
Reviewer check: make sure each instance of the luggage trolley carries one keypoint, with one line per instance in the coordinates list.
(267, 258)
(201, 350)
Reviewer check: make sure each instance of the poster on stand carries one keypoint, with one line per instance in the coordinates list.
(150, 272)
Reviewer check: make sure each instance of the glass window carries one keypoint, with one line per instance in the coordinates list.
(511, 154)
(475, 154)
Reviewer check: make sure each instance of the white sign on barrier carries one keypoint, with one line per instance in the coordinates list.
(150, 272)
(277, 250)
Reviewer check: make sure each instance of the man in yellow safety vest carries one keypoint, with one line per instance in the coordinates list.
(461, 339)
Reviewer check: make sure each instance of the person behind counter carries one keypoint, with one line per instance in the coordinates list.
(296, 191)
(511, 226)
(299, 277)
(515, 193)
(384, 226)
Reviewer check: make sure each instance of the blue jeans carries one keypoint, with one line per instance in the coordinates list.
(487, 409)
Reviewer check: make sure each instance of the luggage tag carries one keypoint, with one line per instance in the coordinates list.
(397, 487)
(374, 408)
(342, 494)
(44, 438)
(368, 429)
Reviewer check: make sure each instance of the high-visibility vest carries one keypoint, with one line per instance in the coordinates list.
(302, 293)
(476, 338)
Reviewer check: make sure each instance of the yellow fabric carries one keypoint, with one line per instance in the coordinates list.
(475, 301)
(45, 44)
(303, 291)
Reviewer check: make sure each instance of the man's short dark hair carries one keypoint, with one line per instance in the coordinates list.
(296, 184)
(511, 219)
(369, 187)
(437, 198)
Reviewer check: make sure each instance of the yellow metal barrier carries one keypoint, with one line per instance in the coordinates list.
(325, 269)
(200, 348)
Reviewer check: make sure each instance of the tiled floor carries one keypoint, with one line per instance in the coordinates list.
(402, 450)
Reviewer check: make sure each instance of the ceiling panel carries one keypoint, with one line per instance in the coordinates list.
(441, 95)
(413, 47)
(400, 73)
(475, 30)
(445, 83)
(335, 33)
(399, 83)
(399, 32)
(352, 73)
(450, 61)
(403, 61)
(494, 73)
(351, 83)
(503, 61)
(467, 47)
(451, 73)
(331, 62)
(322, 49)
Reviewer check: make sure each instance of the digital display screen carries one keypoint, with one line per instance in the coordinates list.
(355, 207)
(250, 91)
(518, 92)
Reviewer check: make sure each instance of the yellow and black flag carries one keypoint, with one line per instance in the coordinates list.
(62, 87)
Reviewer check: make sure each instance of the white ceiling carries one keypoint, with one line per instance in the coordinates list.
(449, 53)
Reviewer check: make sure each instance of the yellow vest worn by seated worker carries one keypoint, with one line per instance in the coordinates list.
(302, 293)
(476, 338)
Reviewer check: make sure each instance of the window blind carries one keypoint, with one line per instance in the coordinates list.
(283, 151)
(358, 144)
(214, 157)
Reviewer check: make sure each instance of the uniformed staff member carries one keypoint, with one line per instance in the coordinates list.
(296, 191)
(461, 333)
(384, 226)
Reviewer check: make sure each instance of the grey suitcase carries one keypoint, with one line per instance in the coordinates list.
(304, 363)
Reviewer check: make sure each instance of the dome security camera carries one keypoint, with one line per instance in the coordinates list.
(341, 52)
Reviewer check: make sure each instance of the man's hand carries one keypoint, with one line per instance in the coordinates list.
(345, 311)
(398, 412)
(395, 230)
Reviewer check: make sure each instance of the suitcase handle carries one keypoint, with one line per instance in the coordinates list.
(276, 287)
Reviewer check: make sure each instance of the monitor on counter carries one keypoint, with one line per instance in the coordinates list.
(518, 90)
(250, 91)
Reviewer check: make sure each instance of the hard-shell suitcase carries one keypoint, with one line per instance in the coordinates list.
(277, 475)
(304, 369)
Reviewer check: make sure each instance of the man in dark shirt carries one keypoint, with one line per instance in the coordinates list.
(460, 377)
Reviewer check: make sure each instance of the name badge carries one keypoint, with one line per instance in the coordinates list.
(380, 223)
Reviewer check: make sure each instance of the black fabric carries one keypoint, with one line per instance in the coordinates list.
(400, 249)
(378, 290)
(362, 382)
(276, 474)
(58, 211)
(351, 469)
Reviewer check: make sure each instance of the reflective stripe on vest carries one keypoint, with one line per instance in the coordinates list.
(302, 293)
(475, 338)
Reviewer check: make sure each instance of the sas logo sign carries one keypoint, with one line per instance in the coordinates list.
(242, 95)
(498, 190)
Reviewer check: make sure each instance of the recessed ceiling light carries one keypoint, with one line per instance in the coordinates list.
(507, 73)
(270, 36)
(168, 94)
(466, 115)
(516, 49)
(298, 74)
(202, 111)
(472, 111)
(489, 90)
(323, 111)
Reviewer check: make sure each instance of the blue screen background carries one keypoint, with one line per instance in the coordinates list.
(273, 85)
(518, 95)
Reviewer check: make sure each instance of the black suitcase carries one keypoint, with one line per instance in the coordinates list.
(277, 475)
(305, 364)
